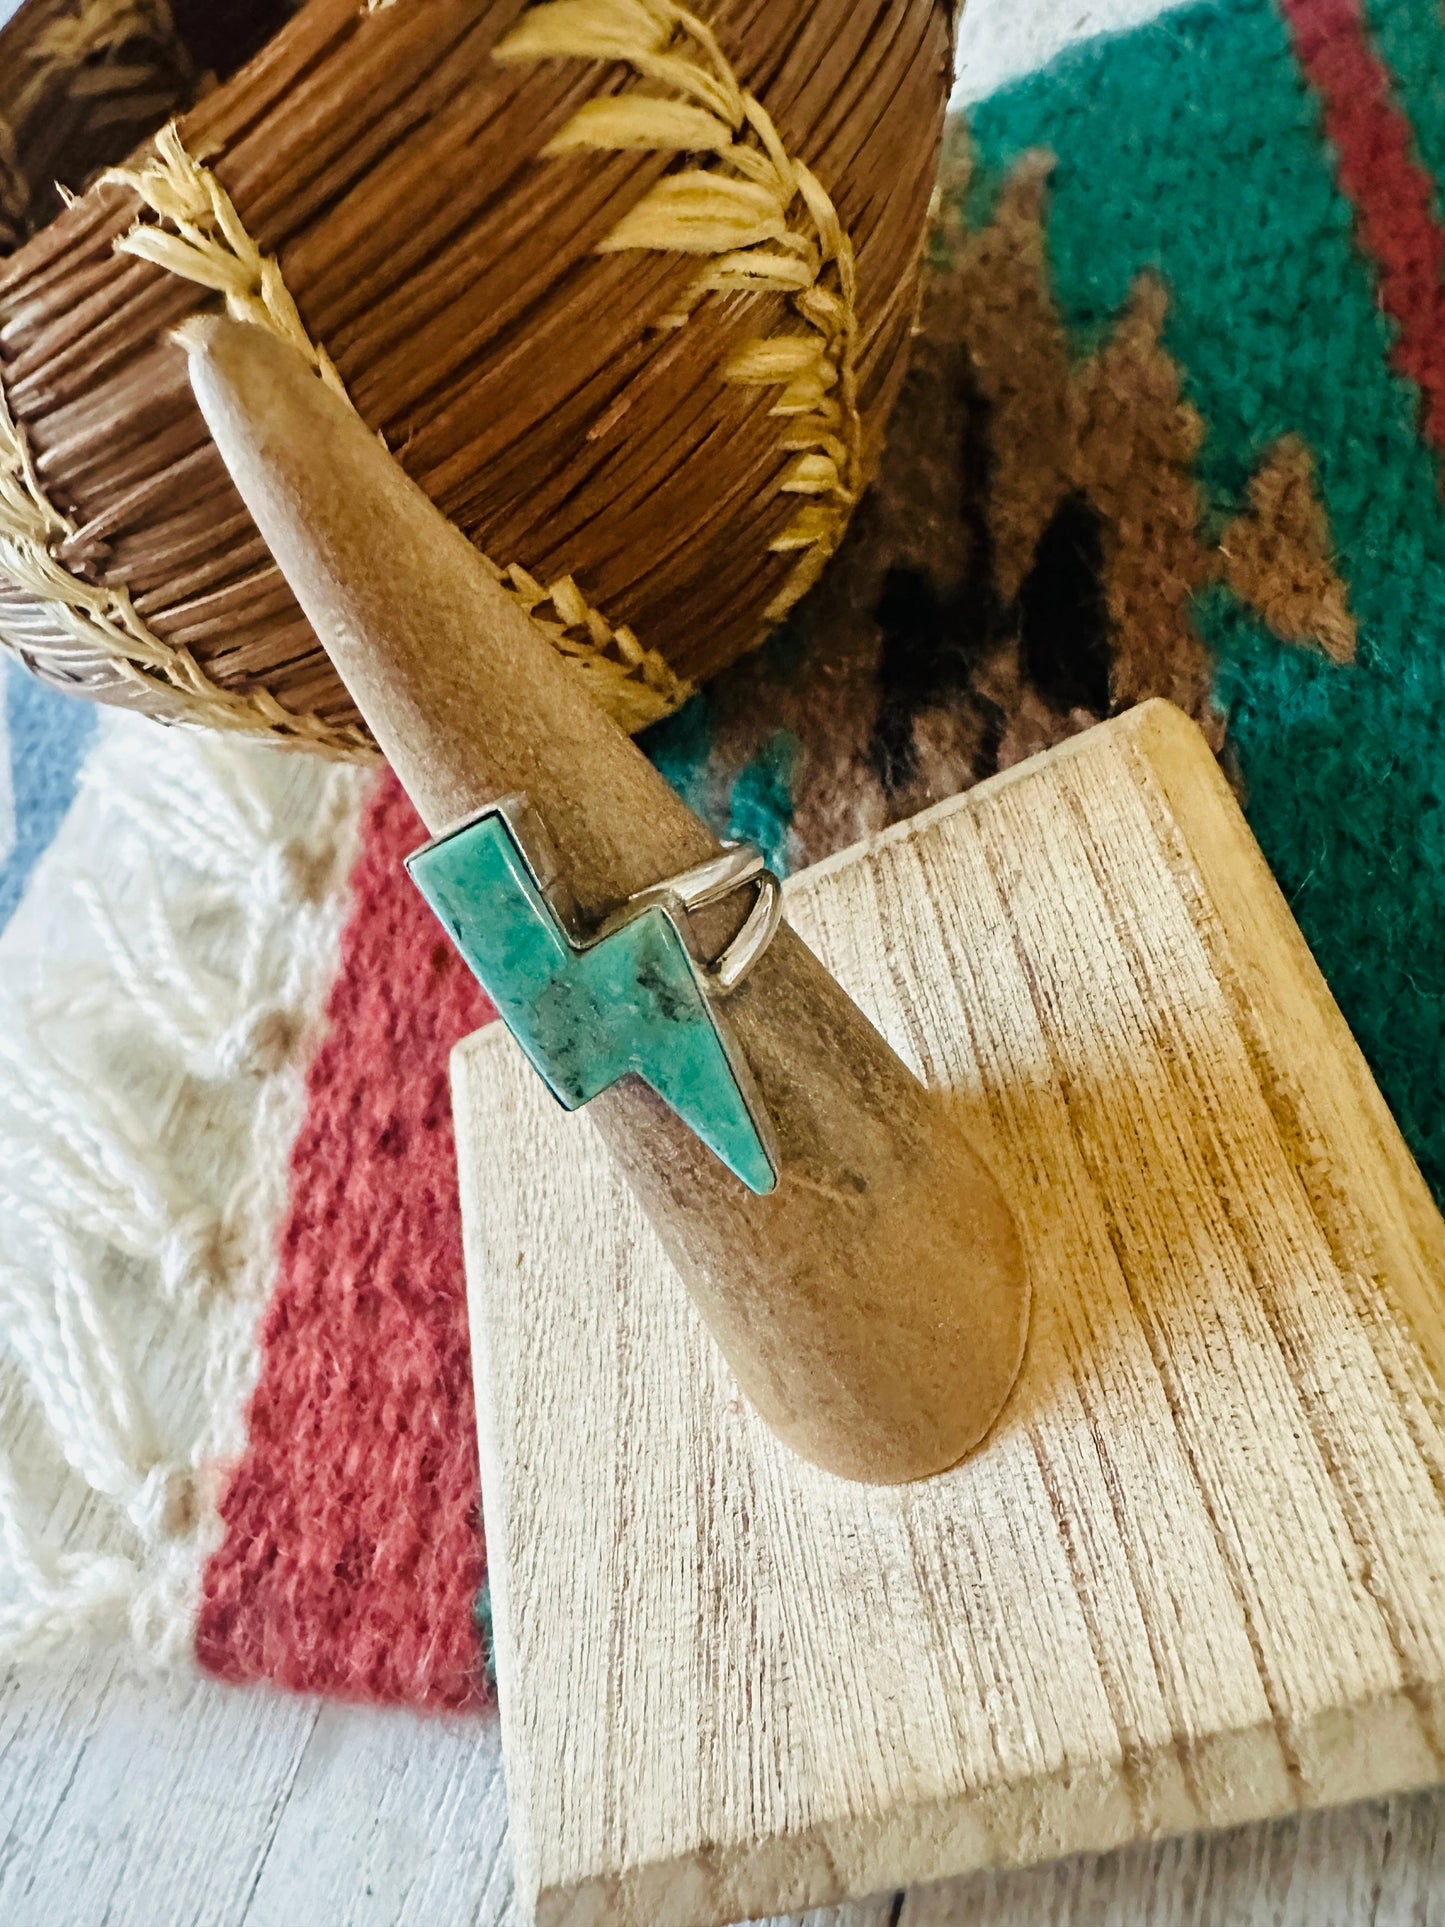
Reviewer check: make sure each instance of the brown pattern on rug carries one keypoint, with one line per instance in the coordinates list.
(1027, 558)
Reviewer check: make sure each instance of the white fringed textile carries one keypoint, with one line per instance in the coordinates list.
(160, 988)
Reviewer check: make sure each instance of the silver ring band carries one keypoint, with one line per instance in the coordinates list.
(737, 865)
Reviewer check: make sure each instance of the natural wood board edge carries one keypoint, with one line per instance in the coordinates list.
(1275, 972)
(1196, 1574)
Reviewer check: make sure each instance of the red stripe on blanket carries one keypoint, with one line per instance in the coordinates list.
(352, 1551)
(1393, 196)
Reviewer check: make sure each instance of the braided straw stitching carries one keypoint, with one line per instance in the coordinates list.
(763, 219)
(14, 190)
(67, 50)
(210, 246)
(75, 53)
(98, 616)
(102, 619)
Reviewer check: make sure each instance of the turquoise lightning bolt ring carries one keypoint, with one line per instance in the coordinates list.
(635, 994)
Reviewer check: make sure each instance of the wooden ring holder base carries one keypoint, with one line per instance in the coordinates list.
(1195, 1575)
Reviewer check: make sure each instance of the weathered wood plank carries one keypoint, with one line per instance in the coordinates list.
(1381, 1862)
(132, 1799)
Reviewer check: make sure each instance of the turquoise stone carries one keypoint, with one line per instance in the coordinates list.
(588, 1012)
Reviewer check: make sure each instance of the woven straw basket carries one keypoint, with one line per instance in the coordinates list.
(626, 288)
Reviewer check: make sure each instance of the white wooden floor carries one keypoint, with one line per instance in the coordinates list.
(134, 1803)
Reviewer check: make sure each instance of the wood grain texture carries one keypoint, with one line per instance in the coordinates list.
(1195, 1576)
(129, 1802)
(1380, 1862)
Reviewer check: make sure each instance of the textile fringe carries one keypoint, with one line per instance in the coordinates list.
(763, 219)
(211, 247)
(104, 1232)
